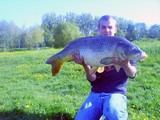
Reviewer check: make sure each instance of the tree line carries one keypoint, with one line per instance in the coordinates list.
(56, 31)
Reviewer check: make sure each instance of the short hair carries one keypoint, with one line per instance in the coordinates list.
(106, 18)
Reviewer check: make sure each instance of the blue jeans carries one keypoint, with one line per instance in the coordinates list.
(112, 106)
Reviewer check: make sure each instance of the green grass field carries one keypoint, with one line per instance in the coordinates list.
(29, 92)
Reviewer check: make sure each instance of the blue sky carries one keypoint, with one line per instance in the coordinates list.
(30, 12)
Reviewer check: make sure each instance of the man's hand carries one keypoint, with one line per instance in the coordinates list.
(90, 73)
(77, 59)
(128, 68)
(122, 63)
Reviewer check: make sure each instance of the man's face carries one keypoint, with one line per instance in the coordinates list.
(107, 28)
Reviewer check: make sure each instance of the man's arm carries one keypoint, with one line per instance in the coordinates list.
(128, 68)
(90, 72)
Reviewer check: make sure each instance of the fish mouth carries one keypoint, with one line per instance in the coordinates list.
(143, 56)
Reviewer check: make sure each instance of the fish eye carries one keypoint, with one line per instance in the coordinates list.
(133, 48)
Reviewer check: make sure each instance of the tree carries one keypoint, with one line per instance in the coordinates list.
(33, 37)
(94, 29)
(71, 17)
(154, 31)
(29, 43)
(64, 32)
(9, 33)
(120, 33)
(48, 22)
(38, 36)
(122, 25)
(85, 23)
(22, 38)
(131, 35)
(141, 30)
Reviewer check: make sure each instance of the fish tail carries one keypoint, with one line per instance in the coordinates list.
(57, 61)
(56, 66)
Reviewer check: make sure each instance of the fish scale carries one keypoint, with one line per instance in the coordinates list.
(97, 51)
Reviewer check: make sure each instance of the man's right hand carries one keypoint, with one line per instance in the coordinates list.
(76, 57)
(90, 72)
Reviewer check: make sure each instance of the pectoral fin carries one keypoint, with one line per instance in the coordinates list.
(117, 67)
(93, 70)
(100, 69)
(107, 60)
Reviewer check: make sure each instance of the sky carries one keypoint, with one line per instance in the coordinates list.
(30, 12)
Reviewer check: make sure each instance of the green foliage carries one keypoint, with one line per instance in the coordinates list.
(8, 35)
(64, 32)
(29, 92)
(154, 31)
(34, 37)
(38, 35)
(130, 32)
(49, 20)
(120, 33)
(12, 37)
(86, 24)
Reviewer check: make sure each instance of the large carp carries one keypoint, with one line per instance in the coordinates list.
(97, 51)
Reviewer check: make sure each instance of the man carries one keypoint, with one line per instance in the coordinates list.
(108, 91)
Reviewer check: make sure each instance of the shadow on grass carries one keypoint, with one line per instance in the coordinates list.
(20, 115)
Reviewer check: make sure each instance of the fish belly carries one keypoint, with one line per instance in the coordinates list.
(93, 58)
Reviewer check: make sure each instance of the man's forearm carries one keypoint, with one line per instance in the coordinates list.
(90, 72)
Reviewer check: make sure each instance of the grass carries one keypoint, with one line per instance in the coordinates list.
(29, 92)
(143, 92)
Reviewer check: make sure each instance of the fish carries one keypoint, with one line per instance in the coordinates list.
(97, 52)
